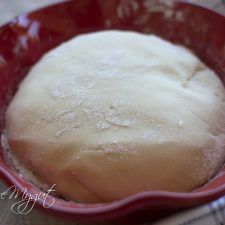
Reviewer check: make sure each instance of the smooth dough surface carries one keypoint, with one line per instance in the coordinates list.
(110, 114)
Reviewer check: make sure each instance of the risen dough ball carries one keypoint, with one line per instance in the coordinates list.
(110, 114)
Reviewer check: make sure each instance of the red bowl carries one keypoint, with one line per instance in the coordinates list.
(26, 38)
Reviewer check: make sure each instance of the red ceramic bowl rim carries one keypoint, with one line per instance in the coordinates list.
(131, 202)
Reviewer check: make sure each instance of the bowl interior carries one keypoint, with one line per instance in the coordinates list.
(25, 39)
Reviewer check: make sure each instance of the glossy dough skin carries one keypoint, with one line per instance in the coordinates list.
(110, 114)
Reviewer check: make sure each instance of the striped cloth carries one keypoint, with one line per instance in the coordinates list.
(211, 214)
